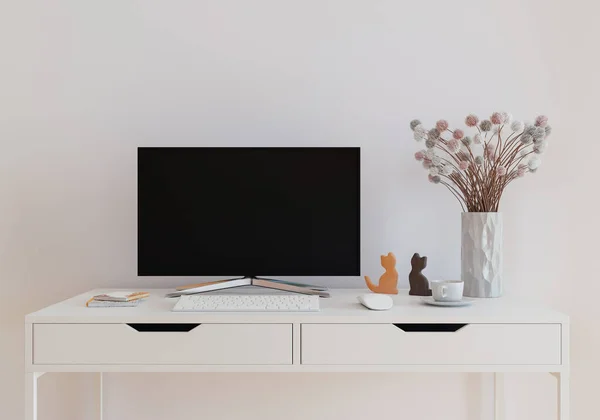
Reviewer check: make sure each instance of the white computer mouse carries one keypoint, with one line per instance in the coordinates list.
(376, 302)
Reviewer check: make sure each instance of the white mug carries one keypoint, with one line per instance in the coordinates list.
(447, 290)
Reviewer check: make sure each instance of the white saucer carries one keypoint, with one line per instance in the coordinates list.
(430, 301)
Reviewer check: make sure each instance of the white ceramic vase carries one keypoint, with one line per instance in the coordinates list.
(481, 254)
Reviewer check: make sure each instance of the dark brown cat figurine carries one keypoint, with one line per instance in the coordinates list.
(419, 285)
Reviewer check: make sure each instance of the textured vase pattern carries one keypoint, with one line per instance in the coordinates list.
(481, 254)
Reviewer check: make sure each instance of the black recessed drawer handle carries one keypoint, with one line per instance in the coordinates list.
(430, 327)
(163, 327)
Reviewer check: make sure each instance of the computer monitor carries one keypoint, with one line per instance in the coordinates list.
(231, 211)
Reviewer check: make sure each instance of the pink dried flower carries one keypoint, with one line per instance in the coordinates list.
(441, 125)
(541, 121)
(501, 171)
(477, 138)
(420, 155)
(521, 170)
(471, 120)
(458, 134)
(463, 165)
(426, 163)
(497, 118)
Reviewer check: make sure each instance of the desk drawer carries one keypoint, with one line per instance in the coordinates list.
(431, 344)
(169, 344)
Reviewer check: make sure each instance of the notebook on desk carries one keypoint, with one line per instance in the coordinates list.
(116, 299)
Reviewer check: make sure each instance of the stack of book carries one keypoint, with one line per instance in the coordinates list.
(287, 286)
(116, 299)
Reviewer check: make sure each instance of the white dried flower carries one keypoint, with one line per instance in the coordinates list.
(540, 147)
(434, 134)
(454, 146)
(467, 140)
(477, 138)
(432, 158)
(548, 130)
(485, 125)
(435, 179)
(516, 126)
(507, 117)
(534, 163)
(529, 129)
(414, 124)
(420, 133)
(429, 143)
(447, 170)
(539, 134)
(479, 160)
(430, 154)
(524, 152)
(433, 171)
(526, 139)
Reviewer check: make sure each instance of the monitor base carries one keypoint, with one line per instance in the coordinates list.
(287, 286)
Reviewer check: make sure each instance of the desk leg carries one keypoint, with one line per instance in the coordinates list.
(100, 403)
(498, 396)
(31, 389)
(562, 395)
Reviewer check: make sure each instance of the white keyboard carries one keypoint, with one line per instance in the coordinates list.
(247, 303)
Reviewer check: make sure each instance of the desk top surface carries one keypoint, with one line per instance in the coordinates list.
(342, 307)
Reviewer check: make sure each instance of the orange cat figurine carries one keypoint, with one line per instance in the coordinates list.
(388, 282)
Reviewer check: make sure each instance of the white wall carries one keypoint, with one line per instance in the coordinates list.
(83, 83)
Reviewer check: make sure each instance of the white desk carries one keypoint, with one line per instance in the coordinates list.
(492, 335)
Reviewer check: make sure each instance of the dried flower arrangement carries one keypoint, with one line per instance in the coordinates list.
(478, 179)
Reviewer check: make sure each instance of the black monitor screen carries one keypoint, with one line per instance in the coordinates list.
(248, 211)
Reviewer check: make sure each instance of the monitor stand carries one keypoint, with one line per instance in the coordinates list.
(287, 286)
